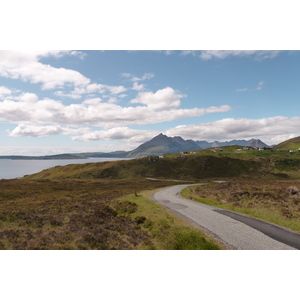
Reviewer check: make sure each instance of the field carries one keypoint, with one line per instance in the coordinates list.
(106, 205)
(276, 201)
(90, 214)
(194, 165)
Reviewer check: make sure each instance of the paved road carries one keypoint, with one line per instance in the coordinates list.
(236, 231)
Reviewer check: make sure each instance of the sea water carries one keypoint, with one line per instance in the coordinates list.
(10, 168)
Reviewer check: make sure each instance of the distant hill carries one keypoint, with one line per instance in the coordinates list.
(162, 144)
(257, 144)
(291, 144)
(205, 144)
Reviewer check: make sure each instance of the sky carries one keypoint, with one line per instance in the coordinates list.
(138, 70)
(79, 101)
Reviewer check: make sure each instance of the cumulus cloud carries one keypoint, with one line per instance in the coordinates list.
(25, 65)
(4, 91)
(271, 130)
(42, 131)
(158, 107)
(29, 97)
(163, 99)
(118, 133)
(138, 87)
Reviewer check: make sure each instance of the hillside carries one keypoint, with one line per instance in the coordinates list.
(159, 145)
(175, 168)
(185, 167)
(291, 144)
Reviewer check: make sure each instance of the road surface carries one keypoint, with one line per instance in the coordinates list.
(234, 230)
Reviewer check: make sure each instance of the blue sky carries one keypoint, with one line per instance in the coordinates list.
(77, 101)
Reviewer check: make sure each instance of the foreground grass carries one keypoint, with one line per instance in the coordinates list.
(167, 231)
(275, 201)
(84, 215)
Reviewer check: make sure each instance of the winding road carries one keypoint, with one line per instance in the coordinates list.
(234, 230)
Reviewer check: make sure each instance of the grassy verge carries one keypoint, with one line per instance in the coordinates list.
(275, 201)
(167, 231)
(73, 214)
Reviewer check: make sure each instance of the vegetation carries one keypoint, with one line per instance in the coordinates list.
(167, 230)
(291, 144)
(251, 164)
(86, 214)
(106, 205)
(274, 201)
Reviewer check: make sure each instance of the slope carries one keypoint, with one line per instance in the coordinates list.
(291, 144)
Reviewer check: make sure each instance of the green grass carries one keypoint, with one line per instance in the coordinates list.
(87, 214)
(271, 201)
(167, 231)
(291, 144)
(206, 163)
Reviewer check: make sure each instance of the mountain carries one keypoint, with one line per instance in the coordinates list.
(205, 144)
(161, 144)
(291, 144)
(257, 144)
(215, 144)
(234, 142)
(187, 144)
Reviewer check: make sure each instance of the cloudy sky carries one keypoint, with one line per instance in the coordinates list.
(73, 101)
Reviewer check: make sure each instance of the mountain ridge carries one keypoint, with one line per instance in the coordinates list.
(158, 145)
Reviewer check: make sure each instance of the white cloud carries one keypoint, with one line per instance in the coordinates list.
(222, 54)
(258, 88)
(25, 65)
(92, 88)
(162, 106)
(138, 87)
(271, 130)
(189, 52)
(116, 89)
(134, 78)
(126, 75)
(243, 90)
(163, 99)
(118, 133)
(97, 113)
(42, 131)
(4, 91)
(29, 97)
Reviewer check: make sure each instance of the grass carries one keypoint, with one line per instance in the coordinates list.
(167, 231)
(84, 214)
(204, 164)
(275, 201)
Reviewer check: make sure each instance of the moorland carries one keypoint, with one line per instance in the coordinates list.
(107, 205)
